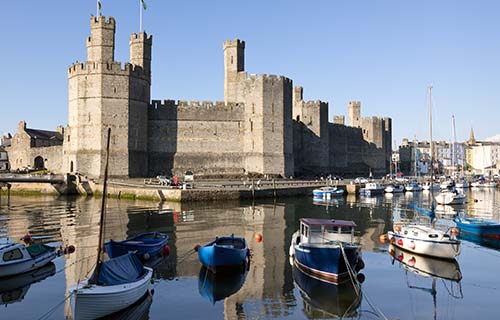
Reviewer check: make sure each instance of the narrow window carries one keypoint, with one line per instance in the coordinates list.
(272, 126)
(251, 126)
(231, 59)
(272, 107)
(253, 107)
(69, 138)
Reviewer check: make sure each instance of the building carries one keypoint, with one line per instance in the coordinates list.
(262, 127)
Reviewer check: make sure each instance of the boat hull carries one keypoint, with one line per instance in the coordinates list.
(140, 245)
(218, 258)
(450, 198)
(92, 301)
(433, 248)
(478, 227)
(26, 265)
(326, 194)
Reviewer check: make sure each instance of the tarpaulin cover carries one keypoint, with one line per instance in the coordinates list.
(123, 269)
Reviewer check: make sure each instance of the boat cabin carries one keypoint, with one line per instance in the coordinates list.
(13, 253)
(324, 231)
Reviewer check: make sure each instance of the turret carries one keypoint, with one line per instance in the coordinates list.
(140, 51)
(101, 43)
(355, 114)
(234, 62)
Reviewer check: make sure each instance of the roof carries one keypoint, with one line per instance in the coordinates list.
(327, 222)
(44, 134)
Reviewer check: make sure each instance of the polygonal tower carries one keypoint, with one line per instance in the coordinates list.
(234, 67)
(105, 94)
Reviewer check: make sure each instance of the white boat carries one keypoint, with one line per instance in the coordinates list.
(327, 192)
(372, 188)
(447, 184)
(413, 187)
(430, 186)
(116, 283)
(451, 197)
(425, 240)
(462, 184)
(394, 188)
(18, 258)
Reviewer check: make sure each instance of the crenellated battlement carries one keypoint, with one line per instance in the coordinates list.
(142, 37)
(234, 43)
(195, 104)
(315, 104)
(112, 67)
(268, 77)
(195, 110)
(101, 21)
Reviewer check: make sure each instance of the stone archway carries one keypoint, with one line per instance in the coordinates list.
(39, 163)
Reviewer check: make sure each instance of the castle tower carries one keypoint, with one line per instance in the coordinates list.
(101, 43)
(140, 51)
(104, 94)
(234, 67)
(354, 114)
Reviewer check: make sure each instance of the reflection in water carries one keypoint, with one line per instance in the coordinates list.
(482, 241)
(216, 287)
(14, 289)
(322, 300)
(137, 311)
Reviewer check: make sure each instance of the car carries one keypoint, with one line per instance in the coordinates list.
(163, 180)
(360, 180)
(189, 176)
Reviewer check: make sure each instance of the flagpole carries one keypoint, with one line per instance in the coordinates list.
(97, 8)
(140, 16)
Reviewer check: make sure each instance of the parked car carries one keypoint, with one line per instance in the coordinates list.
(360, 180)
(189, 176)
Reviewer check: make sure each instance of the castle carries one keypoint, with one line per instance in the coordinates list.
(263, 126)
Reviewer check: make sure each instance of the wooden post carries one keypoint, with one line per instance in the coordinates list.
(274, 187)
(253, 190)
(8, 193)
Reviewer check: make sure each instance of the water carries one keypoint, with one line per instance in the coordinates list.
(272, 288)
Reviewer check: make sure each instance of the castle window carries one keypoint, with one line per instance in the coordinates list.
(114, 90)
(272, 126)
(253, 107)
(253, 144)
(272, 107)
(89, 116)
(231, 59)
(69, 138)
(251, 126)
(298, 118)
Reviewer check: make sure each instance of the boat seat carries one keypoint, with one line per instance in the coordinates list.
(135, 242)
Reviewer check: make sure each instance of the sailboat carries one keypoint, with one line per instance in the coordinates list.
(116, 283)
(413, 186)
(430, 185)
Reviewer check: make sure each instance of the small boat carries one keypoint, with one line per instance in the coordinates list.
(426, 240)
(429, 185)
(115, 284)
(18, 258)
(450, 197)
(394, 188)
(224, 253)
(483, 183)
(462, 183)
(483, 228)
(447, 184)
(325, 249)
(218, 286)
(145, 245)
(413, 187)
(323, 300)
(14, 289)
(327, 192)
(371, 189)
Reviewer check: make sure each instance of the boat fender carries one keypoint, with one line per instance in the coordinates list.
(27, 238)
(401, 257)
(392, 240)
(412, 245)
(360, 265)
(383, 238)
(165, 251)
(412, 261)
(400, 242)
(258, 237)
(146, 256)
(196, 247)
(453, 231)
(68, 250)
(360, 277)
(397, 228)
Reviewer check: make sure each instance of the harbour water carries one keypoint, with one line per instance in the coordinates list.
(415, 288)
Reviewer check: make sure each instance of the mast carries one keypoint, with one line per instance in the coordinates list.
(103, 209)
(429, 88)
(454, 150)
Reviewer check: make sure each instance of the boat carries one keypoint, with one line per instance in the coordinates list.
(462, 183)
(18, 258)
(218, 286)
(430, 186)
(323, 300)
(394, 188)
(371, 189)
(115, 284)
(413, 186)
(483, 228)
(14, 289)
(426, 266)
(491, 243)
(326, 249)
(327, 192)
(447, 184)
(224, 253)
(450, 197)
(145, 245)
(483, 183)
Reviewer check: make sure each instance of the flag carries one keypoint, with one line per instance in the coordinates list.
(143, 4)
(99, 5)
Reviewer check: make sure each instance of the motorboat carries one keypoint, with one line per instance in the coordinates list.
(483, 228)
(394, 188)
(450, 197)
(413, 186)
(326, 249)
(224, 253)
(430, 186)
(327, 192)
(18, 258)
(371, 189)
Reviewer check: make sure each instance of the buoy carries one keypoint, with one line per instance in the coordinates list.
(360, 277)
(27, 238)
(401, 257)
(258, 237)
(383, 238)
(412, 245)
(392, 252)
(453, 231)
(392, 240)
(146, 256)
(412, 261)
(397, 228)
(165, 251)
(196, 247)
(400, 242)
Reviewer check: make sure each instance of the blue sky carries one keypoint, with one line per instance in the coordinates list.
(382, 53)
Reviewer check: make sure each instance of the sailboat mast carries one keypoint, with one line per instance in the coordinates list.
(453, 149)
(430, 129)
(103, 208)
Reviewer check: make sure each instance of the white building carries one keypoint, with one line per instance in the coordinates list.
(485, 158)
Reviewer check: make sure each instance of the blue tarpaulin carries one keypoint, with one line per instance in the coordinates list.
(123, 269)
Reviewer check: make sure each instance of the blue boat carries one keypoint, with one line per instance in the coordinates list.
(325, 249)
(224, 252)
(327, 192)
(218, 286)
(144, 245)
(483, 228)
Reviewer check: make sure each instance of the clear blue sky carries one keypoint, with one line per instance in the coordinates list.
(383, 53)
